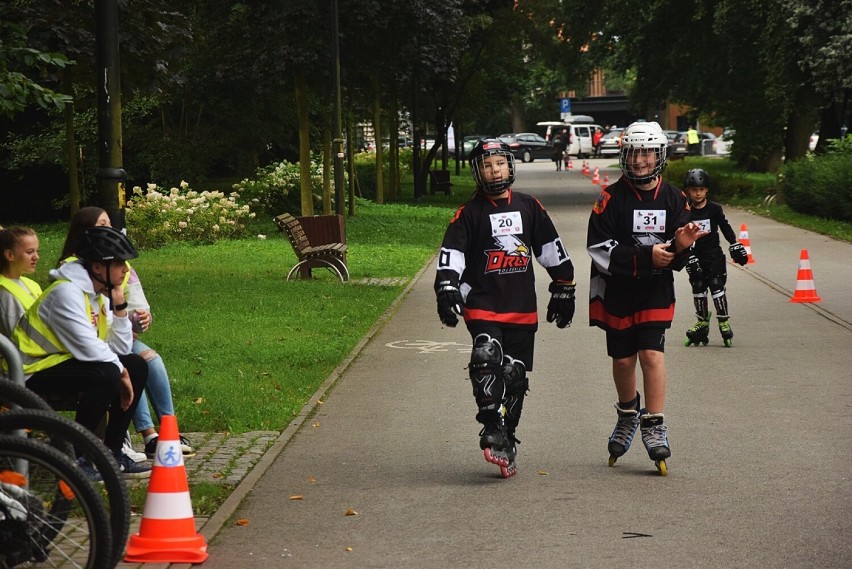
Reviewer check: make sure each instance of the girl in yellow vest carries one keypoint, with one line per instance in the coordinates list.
(158, 389)
(18, 256)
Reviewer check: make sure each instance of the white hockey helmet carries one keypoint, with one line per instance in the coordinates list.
(643, 136)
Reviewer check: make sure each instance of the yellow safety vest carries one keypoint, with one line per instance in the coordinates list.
(692, 137)
(40, 348)
(20, 294)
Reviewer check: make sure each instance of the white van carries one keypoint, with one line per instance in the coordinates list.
(580, 130)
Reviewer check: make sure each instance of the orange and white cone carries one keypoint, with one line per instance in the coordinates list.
(805, 289)
(570, 164)
(746, 242)
(596, 177)
(167, 532)
(585, 168)
(605, 182)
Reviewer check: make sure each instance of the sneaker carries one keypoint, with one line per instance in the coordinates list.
(127, 448)
(130, 469)
(89, 470)
(186, 447)
(151, 447)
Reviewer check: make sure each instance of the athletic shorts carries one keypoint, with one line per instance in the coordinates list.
(516, 342)
(626, 344)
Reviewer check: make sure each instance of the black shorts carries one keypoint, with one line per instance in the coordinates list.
(626, 344)
(517, 343)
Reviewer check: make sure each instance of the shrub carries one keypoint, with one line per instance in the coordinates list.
(819, 185)
(155, 218)
(276, 188)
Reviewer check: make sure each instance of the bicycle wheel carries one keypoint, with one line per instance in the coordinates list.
(52, 516)
(15, 394)
(69, 436)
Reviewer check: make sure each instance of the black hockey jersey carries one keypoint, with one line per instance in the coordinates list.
(625, 289)
(487, 251)
(711, 218)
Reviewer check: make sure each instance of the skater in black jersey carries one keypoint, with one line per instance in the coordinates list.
(706, 266)
(485, 274)
(639, 231)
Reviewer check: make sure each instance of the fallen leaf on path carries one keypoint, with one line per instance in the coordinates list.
(543, 472)
(348, 549)
(351, 512)
(312, 479)
(242, 522)
(297, 497)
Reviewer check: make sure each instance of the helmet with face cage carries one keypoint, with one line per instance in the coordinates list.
(476, 157)
(643, 137)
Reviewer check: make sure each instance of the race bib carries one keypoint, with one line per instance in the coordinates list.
(704, 224)
(649, 221)
(508, 223)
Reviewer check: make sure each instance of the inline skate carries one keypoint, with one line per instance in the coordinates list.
(624, 431)
(727, 333)
(653, 428)
(699, 333)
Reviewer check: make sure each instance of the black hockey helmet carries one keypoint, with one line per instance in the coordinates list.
(696, 178)
(491, 147)
(106, 244)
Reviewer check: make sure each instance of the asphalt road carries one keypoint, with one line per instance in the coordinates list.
(761, 435)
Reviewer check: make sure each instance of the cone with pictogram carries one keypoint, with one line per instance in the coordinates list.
(596, 177)
(605, 182)
(167, 532)
(746, 242)
(805, 289)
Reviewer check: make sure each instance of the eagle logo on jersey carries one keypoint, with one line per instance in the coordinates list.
(512, 256)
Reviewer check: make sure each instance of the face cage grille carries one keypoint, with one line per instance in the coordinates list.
(659, 164)
(494, 188)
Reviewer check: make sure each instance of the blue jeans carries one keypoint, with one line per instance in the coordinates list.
(158, 389)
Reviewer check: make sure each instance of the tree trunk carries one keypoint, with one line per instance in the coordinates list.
(393, 153)
(302, 103)
(71, 143)
(377, 133)
(350, 164)
(326, 170)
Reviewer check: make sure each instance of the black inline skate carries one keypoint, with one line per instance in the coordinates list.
(699, 333)
(727, 333)
(624, 431)
(656, 442)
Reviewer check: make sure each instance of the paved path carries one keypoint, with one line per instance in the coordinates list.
(382, 469)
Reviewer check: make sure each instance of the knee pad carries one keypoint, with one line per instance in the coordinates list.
(486, 374)
(515, 376)
(717, 284)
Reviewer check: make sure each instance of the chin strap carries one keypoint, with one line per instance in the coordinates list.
(107, 283)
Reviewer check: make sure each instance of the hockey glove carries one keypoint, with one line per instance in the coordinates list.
(693, 267)
(561, 305)
(738, 253)
(450, 303)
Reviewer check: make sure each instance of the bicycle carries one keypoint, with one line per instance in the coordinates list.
(29, 412)
(50, 512)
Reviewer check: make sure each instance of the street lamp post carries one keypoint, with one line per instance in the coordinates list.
(337, 141)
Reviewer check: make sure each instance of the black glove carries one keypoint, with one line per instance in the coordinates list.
(561, 305)
(738, 253)
(450, 303)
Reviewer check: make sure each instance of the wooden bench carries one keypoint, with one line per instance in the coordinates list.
(324, 248)
(439, 181)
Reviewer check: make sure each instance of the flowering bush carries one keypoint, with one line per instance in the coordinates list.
(276, 187)
(155, 218)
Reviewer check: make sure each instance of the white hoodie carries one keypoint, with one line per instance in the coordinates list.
(64, 310)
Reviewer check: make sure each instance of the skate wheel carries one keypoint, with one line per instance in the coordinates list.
(508, 471)
(705, 342)
(612, 460)
(686, 343)
(729, 343)
(661, 466)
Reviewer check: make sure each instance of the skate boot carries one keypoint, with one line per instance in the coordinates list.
(625, 430)
(653, 429)
(727, 333)
(494, 443)
(511, 453)
(699, 333)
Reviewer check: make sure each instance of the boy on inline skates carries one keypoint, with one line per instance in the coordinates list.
(706, 264)
(485, 274)
(639, 231)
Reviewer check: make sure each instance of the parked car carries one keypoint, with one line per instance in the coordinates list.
(679, 148)
(527, 146)
(722, 144)
(611, 142)
(468, 142)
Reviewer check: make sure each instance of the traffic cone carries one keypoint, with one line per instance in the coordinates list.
(596, 178)
(605, 181)
(570, 164)
(585, 168)
(746, 242)
(805, 289)
(167, 531)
